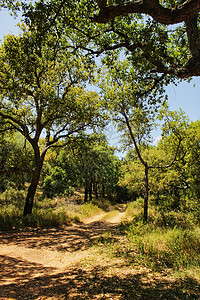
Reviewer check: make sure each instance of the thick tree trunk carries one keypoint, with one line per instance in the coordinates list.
(29, 199)
(33, 186)
(146, 193)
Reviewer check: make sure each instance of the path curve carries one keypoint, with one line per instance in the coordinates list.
(51, 250)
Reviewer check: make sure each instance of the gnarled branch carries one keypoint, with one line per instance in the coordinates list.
(152, 8)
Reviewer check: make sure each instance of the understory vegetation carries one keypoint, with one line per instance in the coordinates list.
(47, 212)
(169, 243)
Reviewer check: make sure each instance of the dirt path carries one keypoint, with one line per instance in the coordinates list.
(55, 248)
(40, 252)
(58, 264)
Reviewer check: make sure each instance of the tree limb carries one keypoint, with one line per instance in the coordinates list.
(152, 8)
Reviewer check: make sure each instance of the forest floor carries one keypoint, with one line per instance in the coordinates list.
(63, 263)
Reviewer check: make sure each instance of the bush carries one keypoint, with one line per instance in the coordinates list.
(87, 210)
(101, 203)
(13, 196)
(134, 209)
(184, 246)
(175, 219)
(10, 216)
(46, 218)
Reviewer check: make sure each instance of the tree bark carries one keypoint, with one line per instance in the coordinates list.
(175, 14)
(29, 199)
(103, 190)
(86, 193)
(90, 191)
(32, 190)
(39, 160)
(145, 164)
(95, 188)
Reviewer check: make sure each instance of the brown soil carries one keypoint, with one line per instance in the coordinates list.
(61, 264)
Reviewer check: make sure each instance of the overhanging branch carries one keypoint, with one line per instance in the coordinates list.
(152, 8)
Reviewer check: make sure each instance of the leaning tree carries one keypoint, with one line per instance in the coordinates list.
(133, 97)
(42, 94)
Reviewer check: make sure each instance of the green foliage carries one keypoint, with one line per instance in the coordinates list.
(16, 158)
(86, 160)
(46, 213)
(56, 183)
(140, 36)
(185, 246)
(87, 210)
(131, 99)
(11, 5)
(42, 91)
(45, 218)
(102, 203)
(160, 248)
(133, 209)
(12, 202)
(10, 217)
(173, 166)
(11, 197)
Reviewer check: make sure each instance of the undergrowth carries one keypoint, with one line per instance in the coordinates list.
(169, 242)
(46, 212)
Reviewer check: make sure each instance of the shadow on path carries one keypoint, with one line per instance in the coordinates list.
(77, 284)
(71, 238)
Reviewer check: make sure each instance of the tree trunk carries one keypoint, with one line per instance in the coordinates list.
(146, 194)
(86, 193)
(96, 190)
(103, 190)
(33, 186)
(29, 199)
(90, 191)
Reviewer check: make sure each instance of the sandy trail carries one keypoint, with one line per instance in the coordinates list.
(48, 264)
(50, 250)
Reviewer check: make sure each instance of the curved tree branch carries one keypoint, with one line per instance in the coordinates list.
(152, 8)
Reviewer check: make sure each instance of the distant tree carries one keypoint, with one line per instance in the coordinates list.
(42, 94)
(87, 161)
(192, 158)
(166, 161)
(182, 178)
(132, 97)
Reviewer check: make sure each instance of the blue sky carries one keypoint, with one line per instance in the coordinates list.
(185, 96)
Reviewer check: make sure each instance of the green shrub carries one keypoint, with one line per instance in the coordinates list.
(134, 209)
(13, 196)
(45, 218)
(10, 216)
(87, 210)
(184, 246)
(101, 203)
(175, 219)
